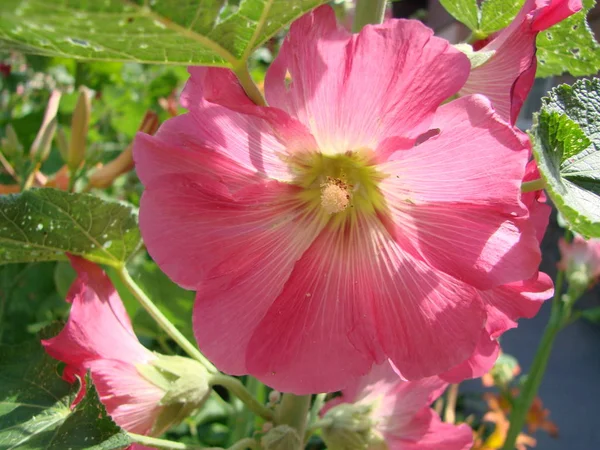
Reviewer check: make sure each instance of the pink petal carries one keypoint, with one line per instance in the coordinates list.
(482, 360)
(98, 325)
(131, 400)
(426, 322)
(236, 251)
(213, 85)
(430, 433)
(507, 303)
(460, 208)
(506, 78)
(348, 101)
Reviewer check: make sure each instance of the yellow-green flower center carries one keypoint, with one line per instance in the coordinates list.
(342, 185)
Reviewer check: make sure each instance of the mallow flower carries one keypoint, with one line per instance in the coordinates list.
(356, 218)
(504, 68)
(142, 391)
(580, 259)
(380, 411)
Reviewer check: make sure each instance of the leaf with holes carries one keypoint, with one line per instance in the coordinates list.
(43, 224)
(569, 46)
(465, 11)
(205, 32)
(35, 406)
(566, 145)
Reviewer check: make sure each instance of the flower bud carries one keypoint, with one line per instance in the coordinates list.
(350, 427)
(10, 144)
(44, 143)
(581, 261)
(41, 142)
(79, 129)
(282, 437)
(185, 383)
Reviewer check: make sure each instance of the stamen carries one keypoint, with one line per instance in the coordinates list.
(335, 195)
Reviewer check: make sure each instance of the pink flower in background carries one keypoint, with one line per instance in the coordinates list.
(581, 255)
(98, 338)
(380, 408)
(506, 78)
(353, 220)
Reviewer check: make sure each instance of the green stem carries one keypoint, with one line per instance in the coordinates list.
(163, 322)
(243, 75)
(236, 387)
(368, 12)
(162, 443)
(536, 373)
(244, 444)
(293, 411)
(316, 407)
(535, 185)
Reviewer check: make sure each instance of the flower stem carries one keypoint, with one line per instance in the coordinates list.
(247, 83)
(236, 387)
(163, 322)
(162, 443)
(244, 444)
(293, 411)
(535, 185)
(367, 12)
(536, 373)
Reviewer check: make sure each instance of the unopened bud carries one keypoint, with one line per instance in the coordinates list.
(104, 176)
(282, 437)
(185, 383)
(49, 118)
(62, 143)
(44, 144)
(274, 397)
(11, 144)
(79, 129)
(350, 427)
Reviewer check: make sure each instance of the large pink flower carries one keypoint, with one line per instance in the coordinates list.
(98, 338)
(506, 78)
(380, 407)
(353, 220)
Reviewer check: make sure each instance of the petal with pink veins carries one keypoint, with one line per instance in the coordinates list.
(455, 197)
(348, 101)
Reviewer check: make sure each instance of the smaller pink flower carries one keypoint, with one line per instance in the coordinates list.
(380, 410)
(581, 256)
(506, 78)
(99, 338)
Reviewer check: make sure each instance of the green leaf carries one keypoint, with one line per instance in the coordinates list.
(43, 224)
(569, 46)
(465, 11)
(207, 32)
(566, 141)
(592, 314)
(497, 14)
(35, 410)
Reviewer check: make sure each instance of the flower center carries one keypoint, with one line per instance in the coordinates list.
(335, 195)
(341, 185)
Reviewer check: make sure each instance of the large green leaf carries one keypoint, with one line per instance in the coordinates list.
(569, 46)
(465, 11)
(35, 410)
(566, 138)
(207, 32)
(497, 14)
(43, 224)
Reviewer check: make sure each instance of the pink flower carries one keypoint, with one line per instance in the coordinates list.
(98, 338)
(353, 220)
(380, 408)
(581, 256)
(506, 78)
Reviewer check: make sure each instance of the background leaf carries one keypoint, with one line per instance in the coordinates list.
(35, 410)
(566, 141)
(465, 11)
(42, 224)
(569, 46)
(497, 14)
(207, 32)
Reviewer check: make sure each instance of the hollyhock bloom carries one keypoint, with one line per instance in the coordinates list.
(381, 411)
(98, 338)
(507, 76)
(353, 220)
